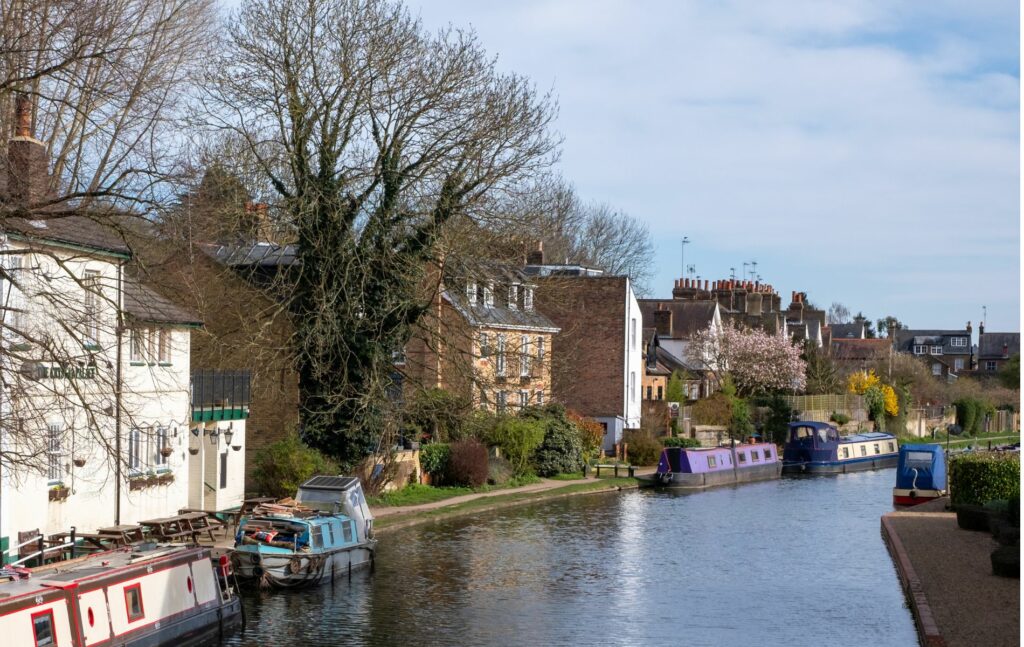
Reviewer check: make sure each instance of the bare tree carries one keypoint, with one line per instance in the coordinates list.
(838, 313)
(376, 136)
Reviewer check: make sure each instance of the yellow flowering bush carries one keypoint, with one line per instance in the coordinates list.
(861, 381)
(892, 403)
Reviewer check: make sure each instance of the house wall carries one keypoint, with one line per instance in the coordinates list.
(78, 401)
(207, 490)
(446, 352)
(593, 354)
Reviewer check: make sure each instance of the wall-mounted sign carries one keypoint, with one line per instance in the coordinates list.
(65, 372)
(673, 409)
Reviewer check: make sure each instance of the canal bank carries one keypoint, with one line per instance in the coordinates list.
(947, 576)
(389, 518)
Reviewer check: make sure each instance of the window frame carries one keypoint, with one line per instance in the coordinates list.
(161, 435)
(54, 452)
(137, 588)
(163, 346)
(48, 614)
(500, 367)
(524, 356)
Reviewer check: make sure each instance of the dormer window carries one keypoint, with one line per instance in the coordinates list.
(936, 350)
(489, 295)
(528, 299)
(513, 297)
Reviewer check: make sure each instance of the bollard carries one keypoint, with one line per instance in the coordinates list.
(72, 542)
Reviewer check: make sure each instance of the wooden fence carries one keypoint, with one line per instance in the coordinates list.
(829, 402)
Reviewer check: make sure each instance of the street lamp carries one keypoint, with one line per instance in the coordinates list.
(745, 264)
(686, 241)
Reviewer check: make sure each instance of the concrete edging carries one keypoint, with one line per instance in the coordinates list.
(928, 630)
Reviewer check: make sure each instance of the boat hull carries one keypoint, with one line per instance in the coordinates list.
(700, 481)
(291, 570)
(840, 467)
(906, 497)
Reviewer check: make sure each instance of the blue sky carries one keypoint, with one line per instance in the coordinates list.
(863, 151)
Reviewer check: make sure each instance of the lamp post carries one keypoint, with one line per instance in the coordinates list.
(686, 241)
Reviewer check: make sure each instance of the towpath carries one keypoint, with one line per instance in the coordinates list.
(947, 574)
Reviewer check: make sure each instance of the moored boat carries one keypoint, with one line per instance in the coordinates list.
(702, 467)
(130, 597)
(327, 532)
(920, 474)
(817, 448)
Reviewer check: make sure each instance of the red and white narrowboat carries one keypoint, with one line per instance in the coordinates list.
(129, 597)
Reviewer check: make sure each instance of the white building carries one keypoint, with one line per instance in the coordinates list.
(94, 406)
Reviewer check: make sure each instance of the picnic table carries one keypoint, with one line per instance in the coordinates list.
(91, 542)
(190, 524)
(219, 519)
(122, 535)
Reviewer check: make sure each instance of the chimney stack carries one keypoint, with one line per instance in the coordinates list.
(23, 116)
(28, 176)
(663, 322)
(536, 256)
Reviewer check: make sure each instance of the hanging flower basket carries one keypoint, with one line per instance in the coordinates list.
(79, 462)
(193, 450)
(59, 493)
(236, 447)
(166, 451)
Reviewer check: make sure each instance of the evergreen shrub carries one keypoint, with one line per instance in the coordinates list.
(561, 451)
(434, 460)
(979, 477)
(281, 467)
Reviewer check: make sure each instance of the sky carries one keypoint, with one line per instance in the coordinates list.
(866, 152)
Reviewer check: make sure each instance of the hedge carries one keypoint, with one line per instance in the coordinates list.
(434, 459)
(978, 477)
(678, 441)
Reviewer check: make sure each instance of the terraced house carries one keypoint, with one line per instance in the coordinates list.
(483, 338)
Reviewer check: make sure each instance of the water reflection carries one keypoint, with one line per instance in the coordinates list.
(792, 562)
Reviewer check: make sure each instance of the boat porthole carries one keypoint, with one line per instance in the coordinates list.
(92, 618)
(254, 558)
(188, 583)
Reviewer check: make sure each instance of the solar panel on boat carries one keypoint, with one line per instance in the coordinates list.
(330, 482)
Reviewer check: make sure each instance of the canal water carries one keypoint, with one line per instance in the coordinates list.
(792, 562)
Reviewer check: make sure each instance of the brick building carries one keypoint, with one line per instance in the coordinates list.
(483, 338)
(995, 349)
(599, 363)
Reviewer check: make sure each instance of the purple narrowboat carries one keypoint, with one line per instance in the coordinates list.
(710, 466)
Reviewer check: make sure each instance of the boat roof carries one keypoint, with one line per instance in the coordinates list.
(333, 483)
(60, 575)
(811, 423)
(934, 448)
(871, 435)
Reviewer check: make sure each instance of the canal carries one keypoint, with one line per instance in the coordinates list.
(791, 562)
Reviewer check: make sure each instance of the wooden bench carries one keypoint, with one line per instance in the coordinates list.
(630, 469)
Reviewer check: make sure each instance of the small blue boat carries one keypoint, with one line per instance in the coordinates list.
(817, 448)
(920, 474)
(327, 531)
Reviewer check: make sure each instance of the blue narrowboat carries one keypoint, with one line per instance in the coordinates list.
(817, 448)
(697, 468)
(920, 474)
(328, 531)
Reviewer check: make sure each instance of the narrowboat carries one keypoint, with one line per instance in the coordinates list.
(920, 474)
(817, 448)
(328, 532)
(703, 467)
(134, 596)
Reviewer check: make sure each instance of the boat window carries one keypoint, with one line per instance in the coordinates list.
(863, 450)
(347, 527)
(742, 457)
(317, 536)
(330, 529)
(877, 450)
(891, 448)
(803, 432)
(755, 455)
(712, 462)
(133, 602)
(767, 453)
(846, 452)
(42, 626)
(823, 435)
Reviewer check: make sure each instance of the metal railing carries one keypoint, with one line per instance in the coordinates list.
(224, 389)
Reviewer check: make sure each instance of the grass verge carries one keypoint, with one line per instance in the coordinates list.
(416, 494)
(501, 500)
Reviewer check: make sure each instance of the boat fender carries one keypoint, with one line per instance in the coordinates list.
(257, 570)
(665, 478)
(295, 564)
(254, 558)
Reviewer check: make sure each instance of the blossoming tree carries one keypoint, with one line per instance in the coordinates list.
(757, 361)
